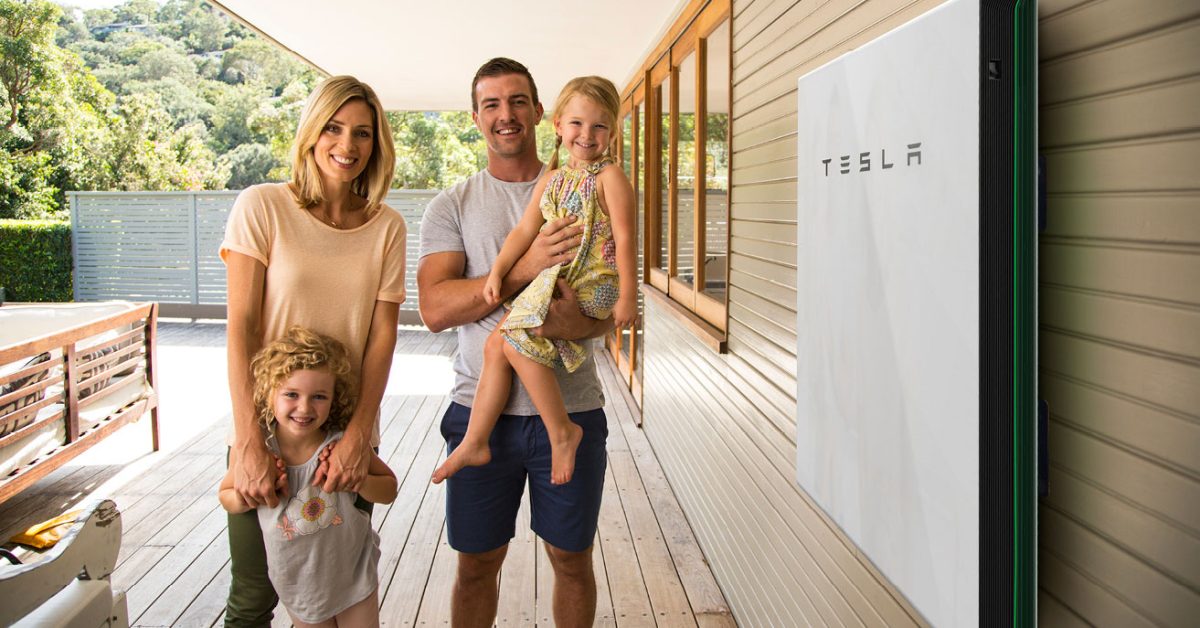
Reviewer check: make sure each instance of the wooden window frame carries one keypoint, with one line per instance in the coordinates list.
(701, 314)
(634, 102)
(705, 315)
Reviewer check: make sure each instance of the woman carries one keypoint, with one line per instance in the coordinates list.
(321, 251)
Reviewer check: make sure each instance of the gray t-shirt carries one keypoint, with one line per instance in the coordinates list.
(474, 217)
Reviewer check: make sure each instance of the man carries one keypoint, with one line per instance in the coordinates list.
(461, 233)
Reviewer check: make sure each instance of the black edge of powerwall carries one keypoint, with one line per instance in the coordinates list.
(996, 384)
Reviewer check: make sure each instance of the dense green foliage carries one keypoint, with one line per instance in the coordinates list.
(35, 260)
(150, 96)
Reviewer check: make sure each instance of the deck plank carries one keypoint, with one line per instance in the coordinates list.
(631, 603)
(174, 561)
(605, 615)
(518, 590)
(209, 605)
(166, 610)
(703, 593)
(435, 604)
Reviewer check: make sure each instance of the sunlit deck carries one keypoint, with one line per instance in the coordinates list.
(174, 561)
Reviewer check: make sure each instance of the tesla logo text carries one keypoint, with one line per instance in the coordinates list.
(912, 158)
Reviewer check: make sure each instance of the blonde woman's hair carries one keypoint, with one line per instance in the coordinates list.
(302, 349)
(325, 100)
(598, 90)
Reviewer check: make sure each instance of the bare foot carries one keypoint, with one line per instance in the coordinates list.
(465, 455)
(562, 454)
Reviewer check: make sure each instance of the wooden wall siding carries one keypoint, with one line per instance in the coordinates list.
(731, 455)
(777, 559)
(1120, 341)
(1120, 311)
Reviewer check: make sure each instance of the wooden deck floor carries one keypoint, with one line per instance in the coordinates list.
(174, 561)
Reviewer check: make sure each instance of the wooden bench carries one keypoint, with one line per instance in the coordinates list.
(70, 375)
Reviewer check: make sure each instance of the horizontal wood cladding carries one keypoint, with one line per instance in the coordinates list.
(1117, 116)
(1153, 432)
(1144, 589)
(1090, 25)
(1163, 218)
(1142, 59)
(1119, 108)
(1120, 311)
(1163, 329)
(1135, 270)
(1148, 164)
(788, 52)
(779, 560)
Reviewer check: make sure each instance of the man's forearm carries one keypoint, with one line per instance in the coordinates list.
(455, 302)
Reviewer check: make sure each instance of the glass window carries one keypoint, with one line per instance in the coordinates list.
(664, 169)
(627, 145)
(639, 184)
(716, 163)
(628, 162)
(685, 172)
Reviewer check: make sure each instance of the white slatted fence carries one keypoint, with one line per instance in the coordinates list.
(162, 246)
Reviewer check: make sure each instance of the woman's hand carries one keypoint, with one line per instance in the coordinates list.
(625, 312)
(323, 464)
(255, 478)
(347, 464)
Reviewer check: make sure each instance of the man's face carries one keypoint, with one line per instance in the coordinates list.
(507, 115)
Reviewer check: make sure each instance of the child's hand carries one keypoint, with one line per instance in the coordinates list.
(625, 312)
(323, 464)
(491, 289)
(281, 486)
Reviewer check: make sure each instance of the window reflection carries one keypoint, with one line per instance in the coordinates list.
(716, 163)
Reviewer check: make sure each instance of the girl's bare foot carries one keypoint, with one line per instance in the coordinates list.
(562, 454)
(465, 455)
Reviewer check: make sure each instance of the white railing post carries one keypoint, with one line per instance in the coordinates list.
(195, 257)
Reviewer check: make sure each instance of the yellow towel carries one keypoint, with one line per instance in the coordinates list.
(47, 533)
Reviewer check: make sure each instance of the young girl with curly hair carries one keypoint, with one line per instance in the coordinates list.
(322, 554)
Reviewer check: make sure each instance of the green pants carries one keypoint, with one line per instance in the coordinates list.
(251, 596)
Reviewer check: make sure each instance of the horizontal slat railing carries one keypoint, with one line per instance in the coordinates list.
(162, 246)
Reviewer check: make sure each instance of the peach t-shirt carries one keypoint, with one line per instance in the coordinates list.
(323, 278)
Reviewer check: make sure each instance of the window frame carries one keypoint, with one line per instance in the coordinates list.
(706, 315)
(634, 101)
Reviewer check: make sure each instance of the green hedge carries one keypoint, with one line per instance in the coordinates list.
(35, 260)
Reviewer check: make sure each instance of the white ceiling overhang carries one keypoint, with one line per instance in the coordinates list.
(421, 56)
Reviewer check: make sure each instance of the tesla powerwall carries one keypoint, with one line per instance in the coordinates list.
(916, 307)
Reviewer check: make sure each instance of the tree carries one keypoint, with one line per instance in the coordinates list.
(55, 118)
(28, 54)
(205, 30)
(234, 106)
(248, 164)
(148, 153)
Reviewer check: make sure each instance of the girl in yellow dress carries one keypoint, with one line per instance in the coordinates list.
(597, 193)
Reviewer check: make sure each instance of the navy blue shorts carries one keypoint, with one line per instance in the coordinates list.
(482, 502)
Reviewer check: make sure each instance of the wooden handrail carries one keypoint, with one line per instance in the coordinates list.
(57, 339)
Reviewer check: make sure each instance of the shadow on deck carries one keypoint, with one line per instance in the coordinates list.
(174, 560)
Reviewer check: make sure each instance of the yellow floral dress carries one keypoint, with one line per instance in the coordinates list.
(593, 272)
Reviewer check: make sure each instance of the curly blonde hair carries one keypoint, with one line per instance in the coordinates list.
(303, 349)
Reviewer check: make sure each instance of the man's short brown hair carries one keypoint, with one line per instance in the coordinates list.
(499, 67)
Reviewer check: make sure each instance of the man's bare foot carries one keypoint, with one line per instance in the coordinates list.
(465, 455)
(562, 454)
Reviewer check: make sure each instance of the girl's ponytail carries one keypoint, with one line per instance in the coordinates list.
(554, 155)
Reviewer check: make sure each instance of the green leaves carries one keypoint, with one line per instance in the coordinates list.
(35, 260)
